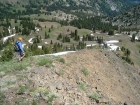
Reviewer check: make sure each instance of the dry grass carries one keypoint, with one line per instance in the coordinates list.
(49, 24)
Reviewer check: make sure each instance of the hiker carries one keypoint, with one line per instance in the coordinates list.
(18, 48)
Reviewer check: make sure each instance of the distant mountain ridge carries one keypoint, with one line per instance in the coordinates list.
(96, 7)
(136, 1)
(130, 18)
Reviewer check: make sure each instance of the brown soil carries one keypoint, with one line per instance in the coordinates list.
(115, 81)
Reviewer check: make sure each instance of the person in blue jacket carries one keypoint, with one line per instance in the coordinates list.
(21, 51)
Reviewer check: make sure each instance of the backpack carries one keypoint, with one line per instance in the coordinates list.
(16, 47)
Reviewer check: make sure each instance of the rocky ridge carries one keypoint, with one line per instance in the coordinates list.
(87, 77)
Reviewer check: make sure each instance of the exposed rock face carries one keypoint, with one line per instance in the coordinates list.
(109, 81)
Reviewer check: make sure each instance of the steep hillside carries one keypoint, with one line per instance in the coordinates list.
(136, 1)
(86, 77)
(96, 7)
(130, 18)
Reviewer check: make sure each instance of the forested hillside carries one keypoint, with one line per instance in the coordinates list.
(22, 22)
(54, 26)
(95, 7)
(130, 18)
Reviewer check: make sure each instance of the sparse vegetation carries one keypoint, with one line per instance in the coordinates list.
(82, 86)
(76, 104)
(95, 96)
(126, 55)
(50, 99)
(37, 91)
(35, 102)
(59, 59)
(14, 65)
(19, 66)
(44, 61)
(1, 98)
(21, 90)
(68, 64)
(85, 71)
(60, 73)
(21, 101)
(138, 46)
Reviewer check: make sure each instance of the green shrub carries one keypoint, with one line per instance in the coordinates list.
(35, 102)
(19, 66)
(95, 96)
(1, 98)
(23, 102)
(50, 99)
(14, 65)
(82, 86)
(7, 54)
(21, 90)
(44, 61)
(32, 89)
(111, 32)
(60, 59)
(60, 73)
(85, 72)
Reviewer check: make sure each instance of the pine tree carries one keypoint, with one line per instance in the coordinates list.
(49, 30)
(15, 20)
(38, 40)
(84, 38)
(76, 33)
(7, 54)
(66, 48)
(123, 48)
(46, 36)
(100, 40)
(133, 38)
(111, 32)
(17, 29)
(127, 52)
(63, 39)
(1, 36)
(51, 42)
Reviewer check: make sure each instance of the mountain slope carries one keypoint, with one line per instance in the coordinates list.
(85, 77)
(135, 1)
(96, 7)
(130, 18)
